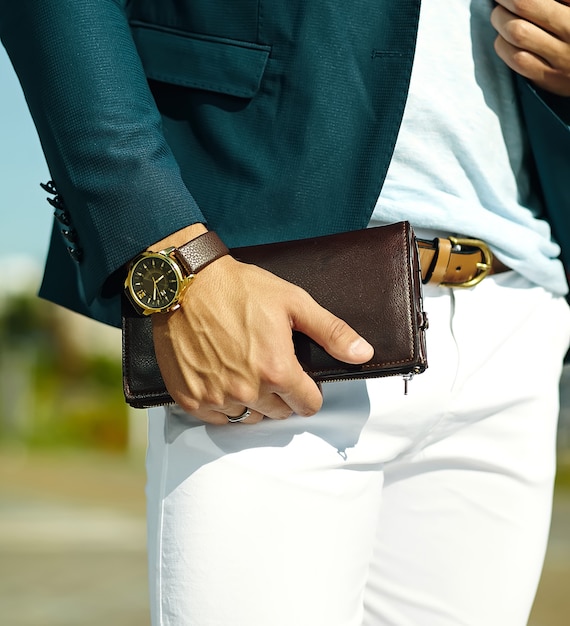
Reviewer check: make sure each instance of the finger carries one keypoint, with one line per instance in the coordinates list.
(246, 416)
(291, 389)
(333, 334)
(269, 405)
(551, 15)
(220, 418)
(274, 407)
(526, 36)
(532, 52)
(534, 68)
(304, 396)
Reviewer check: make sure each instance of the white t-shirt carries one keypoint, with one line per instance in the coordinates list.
(461, 162)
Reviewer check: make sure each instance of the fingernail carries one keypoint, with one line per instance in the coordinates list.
(360, 348)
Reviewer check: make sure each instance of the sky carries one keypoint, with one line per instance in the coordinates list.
(25, 216)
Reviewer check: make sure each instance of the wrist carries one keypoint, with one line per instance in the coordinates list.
(179, 238)
(158, 279)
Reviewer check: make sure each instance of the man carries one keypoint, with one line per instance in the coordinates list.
(282, 120)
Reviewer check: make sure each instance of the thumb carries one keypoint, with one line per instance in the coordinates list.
(340, 340)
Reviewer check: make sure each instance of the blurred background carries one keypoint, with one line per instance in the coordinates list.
(72, 529)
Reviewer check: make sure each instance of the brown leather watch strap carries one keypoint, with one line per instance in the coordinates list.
(200, 252)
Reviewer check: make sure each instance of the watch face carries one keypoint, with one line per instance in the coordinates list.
(154, 282)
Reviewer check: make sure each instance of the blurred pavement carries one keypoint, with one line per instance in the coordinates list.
(72, 543)
(552, 605)
(72, 540)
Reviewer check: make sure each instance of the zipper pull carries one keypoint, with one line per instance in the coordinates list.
(407, 378)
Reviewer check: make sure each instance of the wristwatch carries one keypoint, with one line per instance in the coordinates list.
(157, 281)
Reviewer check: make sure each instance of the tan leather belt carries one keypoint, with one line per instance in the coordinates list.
(457, 261)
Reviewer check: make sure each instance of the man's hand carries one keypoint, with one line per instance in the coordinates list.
(534, 40)
(229, 345)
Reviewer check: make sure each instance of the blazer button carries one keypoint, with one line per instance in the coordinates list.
(70, 234)
(62, 217)
(75, 253)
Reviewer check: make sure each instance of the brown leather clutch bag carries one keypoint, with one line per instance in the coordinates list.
(370, 278)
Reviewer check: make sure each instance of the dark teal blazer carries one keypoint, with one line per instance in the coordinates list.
(266, 119)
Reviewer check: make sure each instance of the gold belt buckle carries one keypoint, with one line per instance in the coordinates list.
(484, 267)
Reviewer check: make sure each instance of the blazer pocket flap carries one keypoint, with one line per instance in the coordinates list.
(201, 62)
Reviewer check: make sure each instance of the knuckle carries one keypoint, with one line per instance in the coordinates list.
(310, 408)
(524, 8)
(301, 297)
(245, 394)
(524, 63)
(337, 330)
(519, 32)
(277, 374)
(310, 404)
(189, 405)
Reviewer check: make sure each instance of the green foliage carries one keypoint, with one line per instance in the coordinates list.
(52, 393)
(563, 474)
(22, 321)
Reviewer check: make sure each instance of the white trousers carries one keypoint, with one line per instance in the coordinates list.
(383, 509)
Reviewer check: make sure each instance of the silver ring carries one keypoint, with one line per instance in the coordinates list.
(241, 417)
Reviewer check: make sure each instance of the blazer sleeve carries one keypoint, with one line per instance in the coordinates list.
(99, 129)
(548, 121)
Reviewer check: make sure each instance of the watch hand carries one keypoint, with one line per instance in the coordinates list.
(154, 289)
